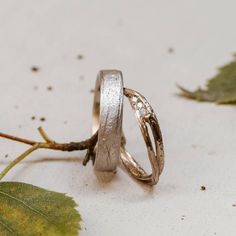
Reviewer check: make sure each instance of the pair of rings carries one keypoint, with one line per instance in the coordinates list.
(107, 119)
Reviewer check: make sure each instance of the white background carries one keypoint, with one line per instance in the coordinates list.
(133, 36)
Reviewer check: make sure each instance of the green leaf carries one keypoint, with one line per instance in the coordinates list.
(220, 89)
(26, 210)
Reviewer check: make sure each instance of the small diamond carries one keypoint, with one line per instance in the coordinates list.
(139, 105)
(142, 112)
(134, 99)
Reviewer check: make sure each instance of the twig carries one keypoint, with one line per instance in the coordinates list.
(88, 144)
(21, 140)
(45, 136)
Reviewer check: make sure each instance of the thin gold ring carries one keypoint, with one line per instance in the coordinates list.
(146, 117)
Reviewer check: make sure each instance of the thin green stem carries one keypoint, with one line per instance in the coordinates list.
(18, 159)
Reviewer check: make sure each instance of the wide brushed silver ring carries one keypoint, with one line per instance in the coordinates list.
(107, 119)
(146, 119)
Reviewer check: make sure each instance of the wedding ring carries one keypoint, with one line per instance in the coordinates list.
(147, 121)
(107, 119)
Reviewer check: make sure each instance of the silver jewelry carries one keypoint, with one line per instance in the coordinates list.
(107, 119)
(146, 117)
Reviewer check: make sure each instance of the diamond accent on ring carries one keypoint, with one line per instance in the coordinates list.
(142, 108)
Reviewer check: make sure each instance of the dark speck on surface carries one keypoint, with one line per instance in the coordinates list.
(34, 69)
(171, 50)
(203, 188)
(6, 156)
(92, 91)
(81, 77)
(42, 119)
(49, 88)
(80, 57)
(33, 118)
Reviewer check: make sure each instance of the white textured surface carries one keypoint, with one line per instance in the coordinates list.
(133, 36)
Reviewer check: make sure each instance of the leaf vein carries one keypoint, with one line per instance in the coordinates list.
(25, 204)
(6, 226)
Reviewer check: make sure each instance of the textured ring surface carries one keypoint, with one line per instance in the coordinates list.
(146, 118)
(107, 117)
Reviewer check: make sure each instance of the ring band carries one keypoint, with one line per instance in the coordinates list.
(146, 118)
(107, 119)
